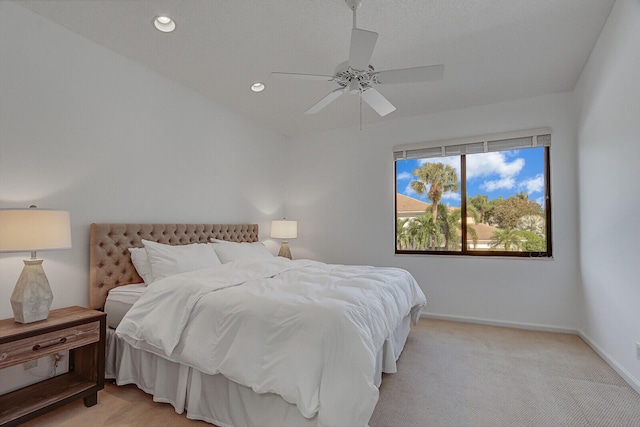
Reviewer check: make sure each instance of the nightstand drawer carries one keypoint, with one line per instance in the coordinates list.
(27, 349)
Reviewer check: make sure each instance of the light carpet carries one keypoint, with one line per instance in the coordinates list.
(460, 374)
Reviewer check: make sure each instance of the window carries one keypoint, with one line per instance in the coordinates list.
(478, 196)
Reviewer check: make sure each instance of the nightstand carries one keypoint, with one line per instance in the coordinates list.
(79, 330)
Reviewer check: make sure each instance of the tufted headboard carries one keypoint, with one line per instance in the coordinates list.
(110, 262)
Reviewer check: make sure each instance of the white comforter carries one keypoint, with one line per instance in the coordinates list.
(305, 330)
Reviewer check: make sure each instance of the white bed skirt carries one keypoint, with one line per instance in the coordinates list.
(214, 398)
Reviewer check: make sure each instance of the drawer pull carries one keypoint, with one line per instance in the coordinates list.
(40, 347)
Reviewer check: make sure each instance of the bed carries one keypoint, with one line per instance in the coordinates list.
(255, 340)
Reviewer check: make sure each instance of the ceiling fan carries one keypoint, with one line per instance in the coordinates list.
(358, 77)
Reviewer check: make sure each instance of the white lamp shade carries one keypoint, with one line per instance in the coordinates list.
(284, 229)
(26, 230)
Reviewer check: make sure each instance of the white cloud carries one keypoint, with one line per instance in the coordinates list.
(404, 176)
(499, 184)
(494, 163)
(533, 185)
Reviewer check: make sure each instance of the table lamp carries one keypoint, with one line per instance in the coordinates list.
(284, 229)
(31, 230)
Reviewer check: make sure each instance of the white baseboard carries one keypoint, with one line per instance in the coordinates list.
(626, 375)
(630, 379)
(505, 324)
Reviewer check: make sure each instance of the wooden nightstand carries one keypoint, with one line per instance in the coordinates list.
(77, 329)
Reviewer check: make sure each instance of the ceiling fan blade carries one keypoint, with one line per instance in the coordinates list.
(378, 102)
(277, 75)
(362, 44)
(326, 100)
(411, 75)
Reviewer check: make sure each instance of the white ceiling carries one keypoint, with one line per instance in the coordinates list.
(493, 50)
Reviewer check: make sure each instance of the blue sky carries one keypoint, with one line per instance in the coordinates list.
(494, 174)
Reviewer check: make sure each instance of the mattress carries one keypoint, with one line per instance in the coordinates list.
(120, 300)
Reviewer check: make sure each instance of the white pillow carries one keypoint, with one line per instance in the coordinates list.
(167, 260)
(141, 262)
(245, 251)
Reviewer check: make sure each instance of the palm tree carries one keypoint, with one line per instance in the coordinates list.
(448, 222)
(471, 231)
(434, 179)
(507, 238)
(533, 223)
(474, 236)
(473, 213)
(481, 203)
(402, 238)
(424, 232)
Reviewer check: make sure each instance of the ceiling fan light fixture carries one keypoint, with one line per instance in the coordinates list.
(164, 24)
(354, 86)
(257, 87)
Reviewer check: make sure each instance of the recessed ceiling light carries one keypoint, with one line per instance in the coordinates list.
(257, 87)
(164, 24)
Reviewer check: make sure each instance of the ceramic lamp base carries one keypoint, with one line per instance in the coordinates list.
(31, 298)
(284, 250)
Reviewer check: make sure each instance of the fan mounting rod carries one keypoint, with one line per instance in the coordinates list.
(353, 5)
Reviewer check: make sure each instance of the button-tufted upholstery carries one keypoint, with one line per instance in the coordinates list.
(109, 259)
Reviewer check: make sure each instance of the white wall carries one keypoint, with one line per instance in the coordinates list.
(89, 131)
(609, 152)
(343, 195)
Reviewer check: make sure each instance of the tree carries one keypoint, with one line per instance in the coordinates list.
(418, 233)
(481, 204)
(507, 238)
(449, 221)
(488, 215)
(434, 179)
(533, 223)
(474, 236)
(507, 212)
(402, 238)
(473, 213)
(532, 241)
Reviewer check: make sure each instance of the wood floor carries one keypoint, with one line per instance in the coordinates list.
(125, 406)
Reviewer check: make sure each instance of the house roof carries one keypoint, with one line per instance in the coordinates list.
(409, 204)
(484, 231)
